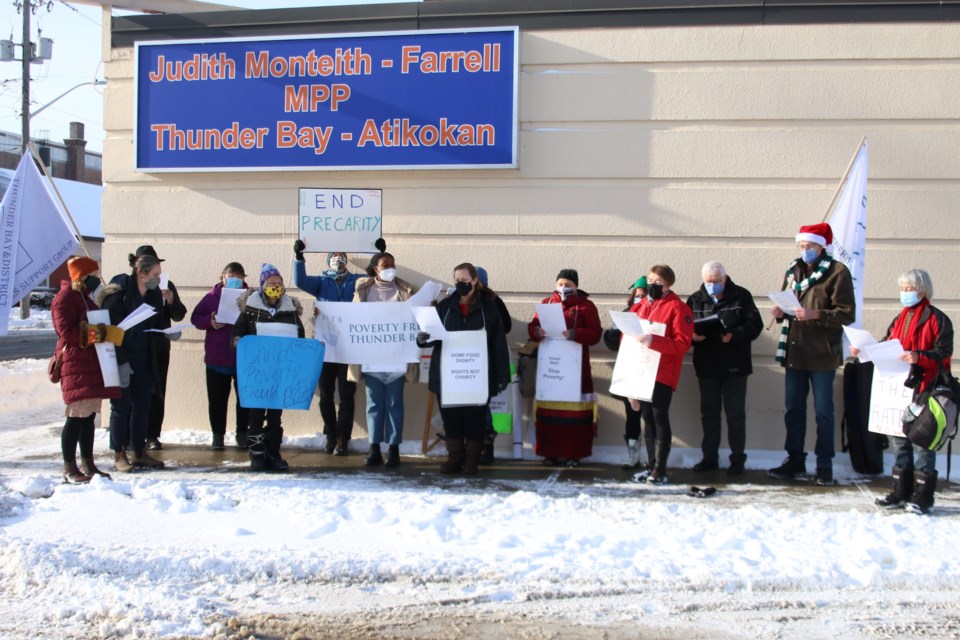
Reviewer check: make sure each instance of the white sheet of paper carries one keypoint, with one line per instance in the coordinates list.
(227, 310)
(552, 321)
(277, 329)
(886, 358)
(559, 370)
(138, 315)
(164, 281)
(654, 328)
(174, 329)
(635, 371)
(786, 300)
(106, 352)
(427, 294)
(430, 322)
(860, 339)
(464, 380)
(628, 323)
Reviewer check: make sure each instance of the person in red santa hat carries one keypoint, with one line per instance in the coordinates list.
(810, 347)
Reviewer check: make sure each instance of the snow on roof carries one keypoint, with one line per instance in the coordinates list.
(84, 202)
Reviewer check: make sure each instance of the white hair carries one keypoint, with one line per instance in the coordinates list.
(714, 268)
(919, 279)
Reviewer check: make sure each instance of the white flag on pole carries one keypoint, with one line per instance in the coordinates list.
(849, 225)
(35, 237)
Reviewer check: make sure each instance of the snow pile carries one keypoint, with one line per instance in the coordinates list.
(39, 320)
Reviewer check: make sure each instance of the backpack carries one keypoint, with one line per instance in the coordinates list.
(931, 420)
(864, 446)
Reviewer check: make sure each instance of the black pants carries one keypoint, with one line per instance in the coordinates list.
(158, 393)
(469, 423)
(258, 416)
(218, 397)
(333, 375)
(77, 430)
(730, 394)
(656, 414)
(632, 431)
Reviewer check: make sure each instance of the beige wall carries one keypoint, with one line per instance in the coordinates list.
(637, 146)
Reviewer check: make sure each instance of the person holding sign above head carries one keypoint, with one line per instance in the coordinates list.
(810, 347)
(335, 284)
(129, 414)
(671, 334)
(81, 380)
(726, 320)
(172, 310)
(384, 383)
(267, 305)
(565, 427)
(218, 352)
(476, 344)
(926, 335)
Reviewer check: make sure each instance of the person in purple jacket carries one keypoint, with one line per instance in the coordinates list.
(221, 358)
(334, 284)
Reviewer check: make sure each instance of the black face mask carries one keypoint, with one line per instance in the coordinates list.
(91, 283)
(655, 291)
(464, 289)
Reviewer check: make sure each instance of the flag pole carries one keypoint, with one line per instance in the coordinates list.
(43, 167)
(836, 193)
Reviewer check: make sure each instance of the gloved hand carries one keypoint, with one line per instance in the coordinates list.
(381, 245)
(97, 333)
(422, 339)
(114, 334)
(174, 336)
(298, 247)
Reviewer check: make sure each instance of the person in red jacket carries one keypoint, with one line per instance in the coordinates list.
(565, 430)
(926, 334)
(80, 379)
(663, 306)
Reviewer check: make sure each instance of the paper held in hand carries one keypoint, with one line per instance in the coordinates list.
(106, 352)
(138, 315)
(227, 310)
(786, 300)
(177, 328)
(886, 358)
(551, 320)
(427, 294)
(430, 322)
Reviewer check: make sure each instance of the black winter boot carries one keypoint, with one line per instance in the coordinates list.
(486, 455)
(793, 466)
(343, 446)
(902, 489)
(471, 458)
(374, 457)
(273, 459)
(925, 484)
(651, 453)
(257, 448)
(331, 444)
(454, 463)
(393, 456)
(658, 475)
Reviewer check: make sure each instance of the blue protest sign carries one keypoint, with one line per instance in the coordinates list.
(391, 100)
(278, 373)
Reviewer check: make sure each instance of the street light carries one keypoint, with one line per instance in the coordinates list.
(95, 83)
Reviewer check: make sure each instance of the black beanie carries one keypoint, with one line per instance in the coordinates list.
(569, 274)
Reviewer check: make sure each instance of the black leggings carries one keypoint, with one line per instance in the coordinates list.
(656, 414)
(77, 430)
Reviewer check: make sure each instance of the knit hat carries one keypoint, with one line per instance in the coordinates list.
(266, 271)
(482, 275)
(80, 267)
(820, 233)
(569, 274)
(641, 283)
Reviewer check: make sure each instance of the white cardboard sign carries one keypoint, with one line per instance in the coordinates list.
(559, 371)
(464, 378)
(347, 220)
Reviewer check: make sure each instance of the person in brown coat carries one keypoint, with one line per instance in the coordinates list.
(81, 381)
(810, 348)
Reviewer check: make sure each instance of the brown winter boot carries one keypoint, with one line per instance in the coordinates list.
(120, 462)
(454, 463)
(88, 468)
(471, 460)
(72, 475)
(143, 459)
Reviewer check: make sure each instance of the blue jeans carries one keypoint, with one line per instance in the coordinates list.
(797, 385)
(910, 456)
(384, 409)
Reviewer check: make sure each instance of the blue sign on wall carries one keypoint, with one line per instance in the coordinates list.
(392, 100)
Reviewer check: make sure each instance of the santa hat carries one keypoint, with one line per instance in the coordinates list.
(821, 233)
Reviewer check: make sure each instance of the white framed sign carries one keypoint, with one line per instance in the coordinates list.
(464, 378)
(559, 369)
(348, 220)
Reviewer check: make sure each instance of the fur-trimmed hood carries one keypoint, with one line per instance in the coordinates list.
(106, 290)
(251, 298)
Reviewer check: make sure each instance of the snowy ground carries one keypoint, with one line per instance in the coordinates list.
(214, 552)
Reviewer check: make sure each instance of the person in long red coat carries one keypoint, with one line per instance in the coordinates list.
(81, 381)
(565, 430)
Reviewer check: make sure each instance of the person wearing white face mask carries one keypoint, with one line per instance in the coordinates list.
(726, 321)
(810, 348)
(926, 334)
(384, 388)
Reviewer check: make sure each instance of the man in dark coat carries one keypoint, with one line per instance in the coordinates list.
(726, 321)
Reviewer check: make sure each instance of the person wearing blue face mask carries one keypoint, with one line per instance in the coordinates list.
(810, 348)
(335, 284)
(726, 322)
(221, 359)
(926, 334)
